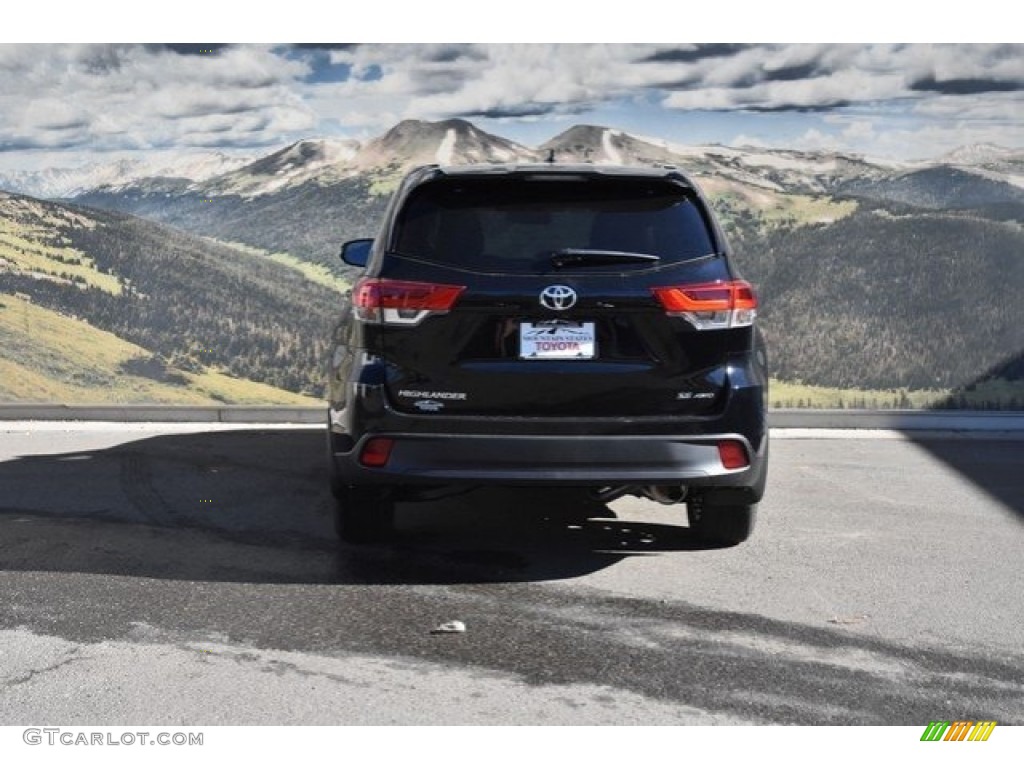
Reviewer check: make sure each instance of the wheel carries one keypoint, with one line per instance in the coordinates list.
(363, 514)
(728, 524)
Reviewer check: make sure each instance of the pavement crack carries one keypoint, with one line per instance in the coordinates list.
(34, 673)
(137, 483)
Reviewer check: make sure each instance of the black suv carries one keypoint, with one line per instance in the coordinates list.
(571, 325)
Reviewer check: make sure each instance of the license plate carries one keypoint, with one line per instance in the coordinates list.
(557, 340)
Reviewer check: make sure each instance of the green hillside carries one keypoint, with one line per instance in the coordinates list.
(890, 300)
(309, 221)
(31, 244)
(48, 357)
(195, 320)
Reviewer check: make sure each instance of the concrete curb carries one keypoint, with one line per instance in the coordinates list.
(902, 421)
(227, 414)
(788, 418)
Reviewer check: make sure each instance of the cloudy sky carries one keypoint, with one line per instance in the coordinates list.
(62, 104)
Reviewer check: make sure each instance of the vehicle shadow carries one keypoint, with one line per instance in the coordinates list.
(252, 506)
(993, 465)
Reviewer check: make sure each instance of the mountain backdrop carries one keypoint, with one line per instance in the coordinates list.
(881, 283)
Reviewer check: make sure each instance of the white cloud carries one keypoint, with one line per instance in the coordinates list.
(745, 140)
(142, 96)
(815, 139)
(994, 107)
(102, 97)
(858, 131)
(441, 81)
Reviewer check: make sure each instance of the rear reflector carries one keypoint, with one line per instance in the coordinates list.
(401, 302)
(376, 452)
(723, 304)
(733, 454)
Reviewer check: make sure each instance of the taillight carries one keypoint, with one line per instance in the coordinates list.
(723, 304)
(733, 454)
(376, 452)
(401, 302)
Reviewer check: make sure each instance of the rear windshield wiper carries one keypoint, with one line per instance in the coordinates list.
(573, 257)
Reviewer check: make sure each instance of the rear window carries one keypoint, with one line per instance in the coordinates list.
(517, 225)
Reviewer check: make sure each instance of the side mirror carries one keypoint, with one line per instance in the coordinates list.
(356, 253)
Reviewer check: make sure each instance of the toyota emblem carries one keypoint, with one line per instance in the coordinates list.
(558, 297)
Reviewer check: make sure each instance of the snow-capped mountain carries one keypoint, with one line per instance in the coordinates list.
(994, 162)
(600, 145)
(307, 197)
(987, 171)
(121, 171)
(453, 142)
(291, 166)
(327, 161)
(449, 142)
(980, 154)
(771, 169)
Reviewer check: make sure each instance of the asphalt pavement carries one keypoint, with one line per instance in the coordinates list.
(188, 574)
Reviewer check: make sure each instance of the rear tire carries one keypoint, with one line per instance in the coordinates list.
(363, 514)
(723, 524)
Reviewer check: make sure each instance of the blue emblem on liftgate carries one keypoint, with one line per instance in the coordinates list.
(558, 297)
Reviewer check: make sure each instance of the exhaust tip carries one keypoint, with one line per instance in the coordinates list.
(665, 494)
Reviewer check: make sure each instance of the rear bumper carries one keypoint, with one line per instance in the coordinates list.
(460, 459)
